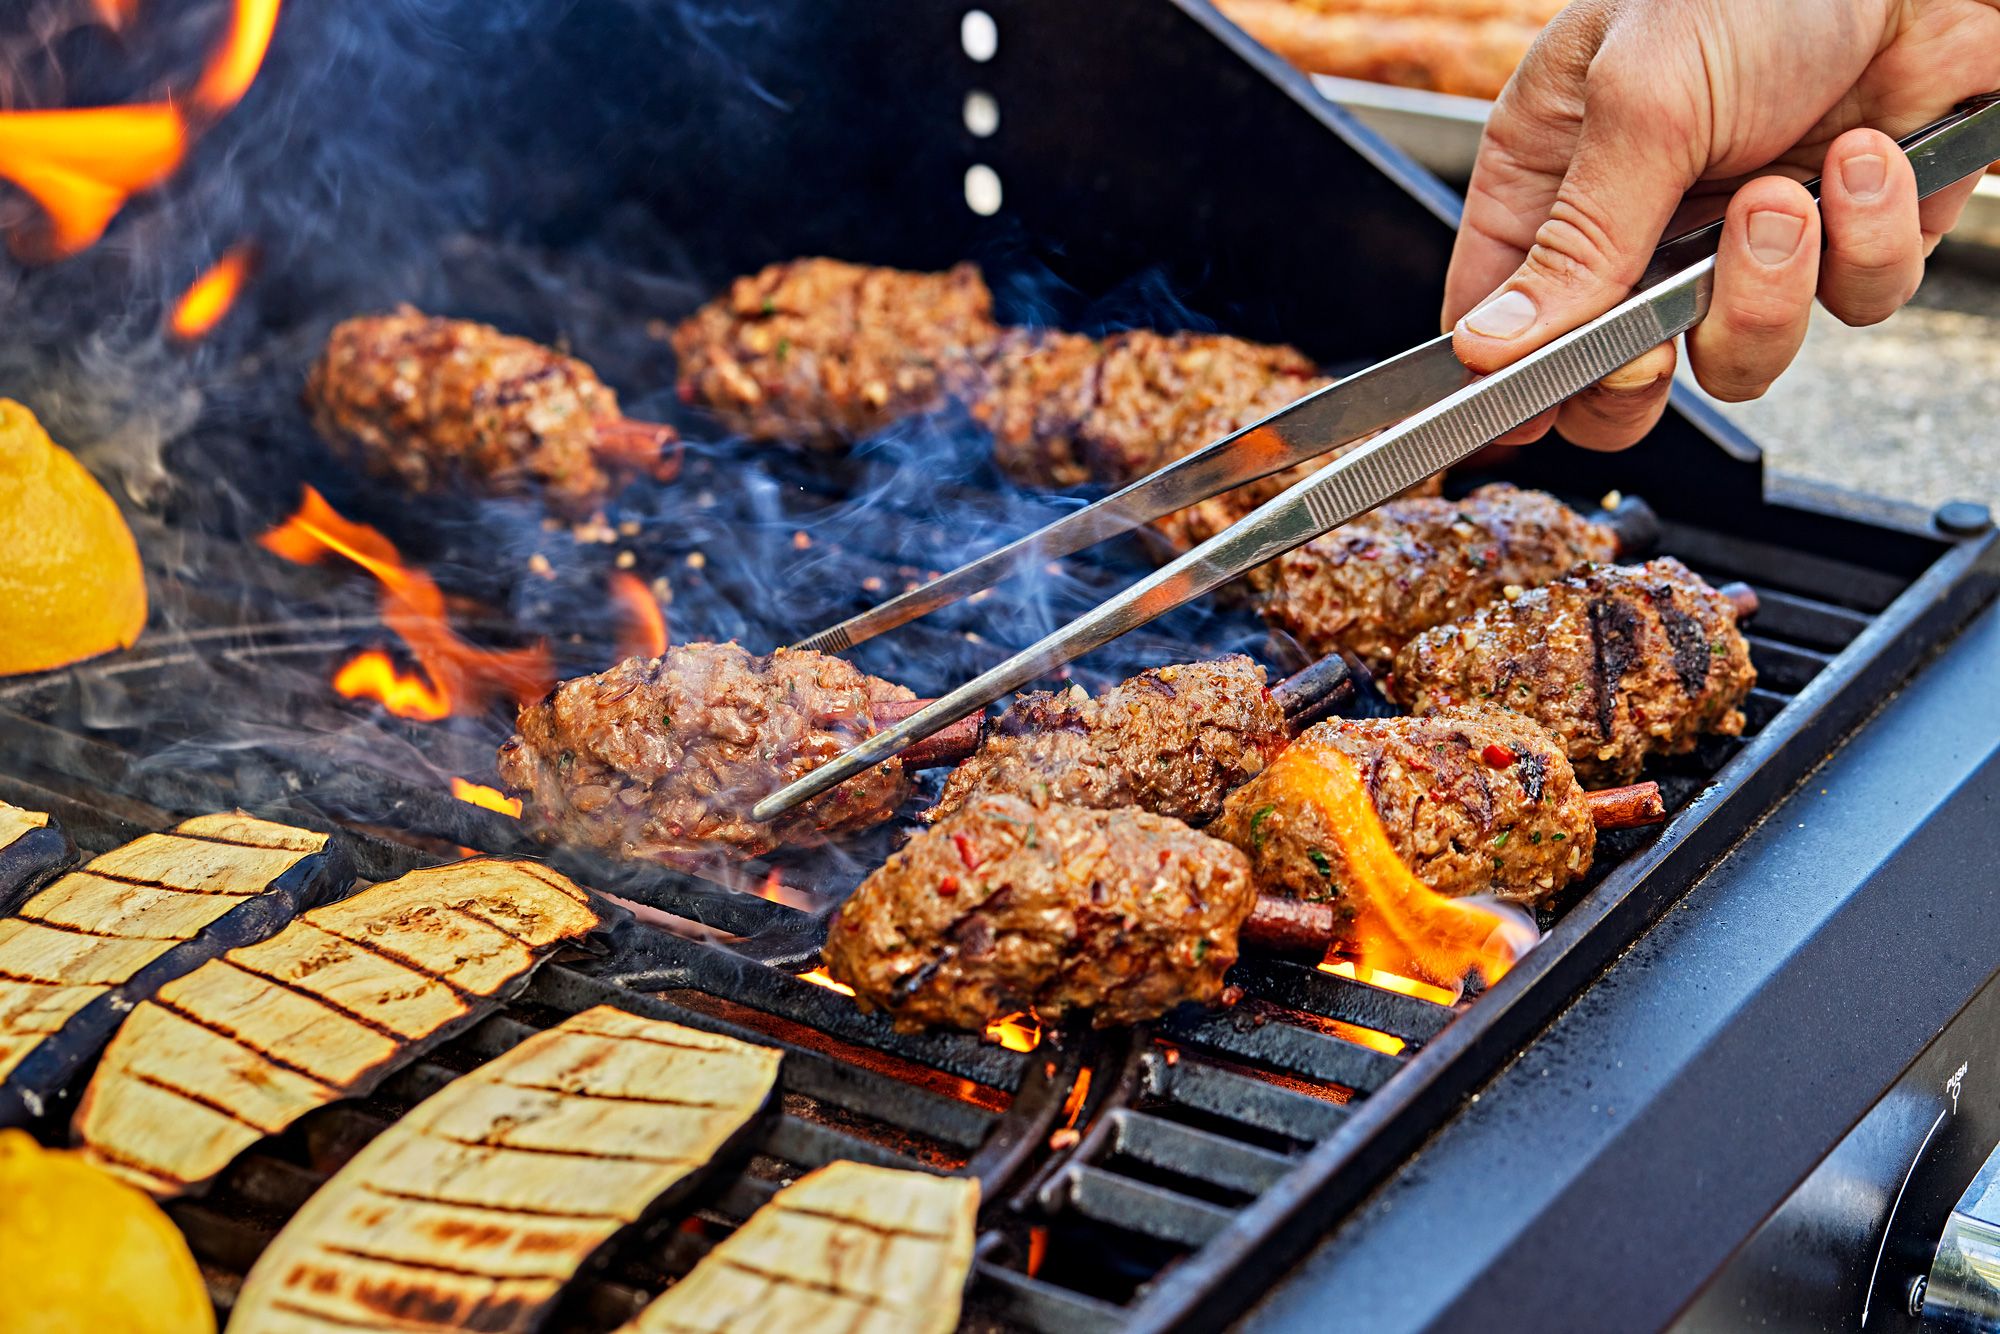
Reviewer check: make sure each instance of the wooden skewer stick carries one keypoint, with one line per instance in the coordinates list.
(1290, 926)
(1631, 807)
(945, 747)
(651, 447)
(1742, 597)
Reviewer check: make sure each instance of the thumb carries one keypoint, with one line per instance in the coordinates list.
(1635, 158)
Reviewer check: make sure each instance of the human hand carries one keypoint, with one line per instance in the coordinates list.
(1628, 113)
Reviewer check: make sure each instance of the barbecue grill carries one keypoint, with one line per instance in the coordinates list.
(1654, 1116)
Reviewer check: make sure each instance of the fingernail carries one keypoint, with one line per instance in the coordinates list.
(1630, 378)
(1775, 236)
(1864, 176)
(1508, 315)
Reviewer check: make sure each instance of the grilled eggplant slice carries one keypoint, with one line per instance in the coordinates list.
(326, 1009)
(474, 1210)
(80, 954)
(871, 1250)
(33, 849)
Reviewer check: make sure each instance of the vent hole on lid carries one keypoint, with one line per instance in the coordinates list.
(982, 114)
(979, 35)
(982, 189)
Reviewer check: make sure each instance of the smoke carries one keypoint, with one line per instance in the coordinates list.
(511, 161)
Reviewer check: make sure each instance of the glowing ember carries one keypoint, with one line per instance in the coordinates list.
(492, 799)
(461, 677)
(210, 296)
(1408, 986)
(81, 166)
(1016, 1032)
(234, 66)
(1038, 1249)
(1401, 926)
(644, 625)
(1079, 1094)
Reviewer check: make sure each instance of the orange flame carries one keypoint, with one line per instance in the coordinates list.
(645, 625)
(492, 799)
(235, 64)
(819, 977)
(210, 296)
(1016, 1032)
(461, 676)
(82, 165)
(1402, 927)
(371, 675)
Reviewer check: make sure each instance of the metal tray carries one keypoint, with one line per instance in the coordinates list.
(1441, 131)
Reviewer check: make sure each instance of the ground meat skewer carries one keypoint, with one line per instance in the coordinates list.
(1474, 801)
(662, 758)
(821, 351)
(1371, 586)
(437, 403)
(1619, 662)
(1173, 740)
(1009, 906)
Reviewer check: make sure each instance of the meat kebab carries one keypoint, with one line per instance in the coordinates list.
(662, 758)
(436, 403)
(1618, 662)
(821, 351)
(1372, 585)
(1174, 740)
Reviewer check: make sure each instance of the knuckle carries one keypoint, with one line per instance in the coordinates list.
(1571, 247)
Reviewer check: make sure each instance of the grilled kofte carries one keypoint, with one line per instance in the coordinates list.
(822, 351)
(435, 403)
(849, 1247)
(1474, 801)
(33, 848)
(473, 1211)
(84, 951)
(246, 1044)
(1619, 662)
(663, 757)
(1009, 905)
(1174, 741)
(1372, 585)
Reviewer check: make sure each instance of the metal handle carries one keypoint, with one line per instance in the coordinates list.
(1962, 1291)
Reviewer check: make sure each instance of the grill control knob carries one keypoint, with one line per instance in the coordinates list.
(1962, 1292)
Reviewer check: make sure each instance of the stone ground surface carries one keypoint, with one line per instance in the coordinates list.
(1909, 409)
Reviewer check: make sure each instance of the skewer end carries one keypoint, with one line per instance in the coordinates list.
(1632, 807)
(1634, 523)
(1742, 597)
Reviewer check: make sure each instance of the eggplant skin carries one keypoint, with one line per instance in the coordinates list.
(31, 861)
(47, 1078)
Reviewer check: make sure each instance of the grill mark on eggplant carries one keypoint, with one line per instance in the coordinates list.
(649, 1041)
(239, 843)
(313, 1313)
(427, 1266)
(1614, 635)
(69, 930)
(461, 910)
(1692, 658)
(331, 1006)
(189, 1095)
(880, 1229)
(115, 878)
(369, 947)
(549, 1151)
(536, 871)
(779, 1278)
(592, 1095)
(524, 1211)
(224, 1031)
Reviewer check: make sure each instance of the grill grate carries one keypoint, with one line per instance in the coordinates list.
(1109, 1160)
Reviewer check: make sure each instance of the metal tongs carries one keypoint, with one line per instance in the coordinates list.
(1431, 411)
